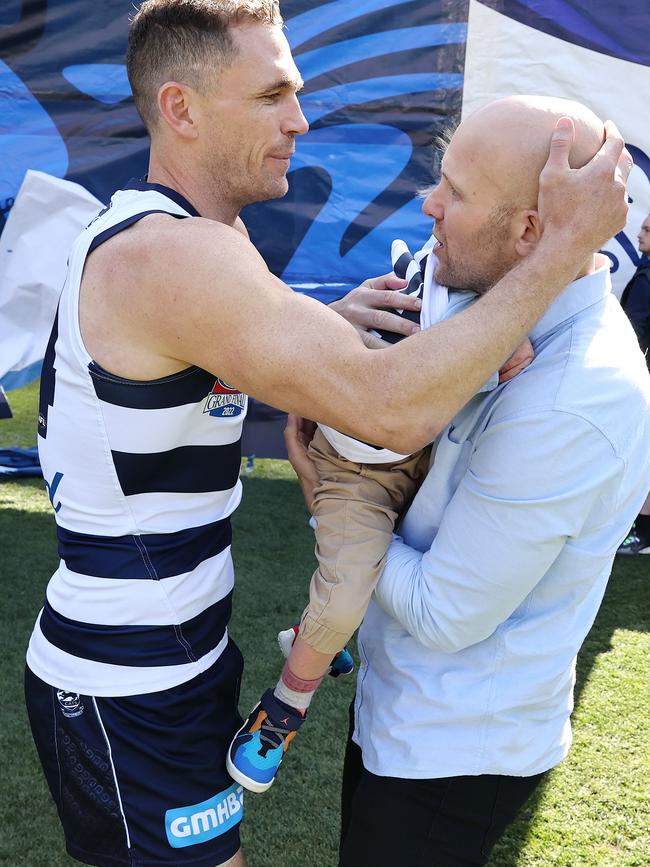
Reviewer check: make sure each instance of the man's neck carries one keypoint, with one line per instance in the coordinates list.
(589, 267)
(191, 186)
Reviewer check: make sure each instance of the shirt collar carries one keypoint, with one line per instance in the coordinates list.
(143, 185)
(577, 296)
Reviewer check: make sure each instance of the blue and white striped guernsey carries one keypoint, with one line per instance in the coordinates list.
(143, 478)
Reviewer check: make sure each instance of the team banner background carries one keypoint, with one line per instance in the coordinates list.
(383, 78)
(589, 50)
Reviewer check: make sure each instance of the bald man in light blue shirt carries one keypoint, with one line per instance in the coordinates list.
(469, 645)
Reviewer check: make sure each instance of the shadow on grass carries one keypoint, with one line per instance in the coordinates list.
(620, 609)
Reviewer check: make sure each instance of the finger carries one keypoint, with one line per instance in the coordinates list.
(510, 373)
(386, 281)
(292, 434)
(296, 452)
(513, 368)
(383, 320)
(625, 165)
(614, 144)
(386, 298)
(524, 352)
(292, 426)
(561, 144)
(301, 462)
(518, 361)
(371, 341)
(400, 302)
(298, 432)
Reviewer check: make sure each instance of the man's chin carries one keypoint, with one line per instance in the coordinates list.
(276, 189)
(445, 276)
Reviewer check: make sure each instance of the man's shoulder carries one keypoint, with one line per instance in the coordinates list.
(640, 281)
(169, 234)
(587, 379)
(139, 282)
(162, 248)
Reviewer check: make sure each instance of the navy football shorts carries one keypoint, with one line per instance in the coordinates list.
(142, 780)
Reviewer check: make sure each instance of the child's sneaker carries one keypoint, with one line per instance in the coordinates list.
(341, 665)
(257, 750)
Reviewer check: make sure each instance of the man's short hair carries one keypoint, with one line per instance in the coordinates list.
(187, 41)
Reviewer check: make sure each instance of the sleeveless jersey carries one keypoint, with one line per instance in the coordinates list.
(143, 477)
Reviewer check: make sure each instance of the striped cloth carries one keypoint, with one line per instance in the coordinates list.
(419, 270)
(412, 268)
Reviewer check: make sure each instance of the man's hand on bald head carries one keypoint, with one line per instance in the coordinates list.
(589, 204)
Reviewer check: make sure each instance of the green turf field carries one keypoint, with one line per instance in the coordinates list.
(592, 810)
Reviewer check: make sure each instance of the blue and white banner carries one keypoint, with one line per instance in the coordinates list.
(382, 77)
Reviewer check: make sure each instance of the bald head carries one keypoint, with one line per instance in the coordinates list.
(485, 206)
(511, 138)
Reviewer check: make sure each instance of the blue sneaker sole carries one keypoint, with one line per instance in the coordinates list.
(240, 777)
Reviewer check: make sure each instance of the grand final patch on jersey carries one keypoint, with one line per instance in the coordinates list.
(224, 400)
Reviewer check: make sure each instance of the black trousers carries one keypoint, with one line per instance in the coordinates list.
(446, 822)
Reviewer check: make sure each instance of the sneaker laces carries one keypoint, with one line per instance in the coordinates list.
(271, 736)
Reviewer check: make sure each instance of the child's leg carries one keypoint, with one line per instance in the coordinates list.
(355, 507)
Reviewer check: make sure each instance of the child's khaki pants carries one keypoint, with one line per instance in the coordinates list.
(356, 506)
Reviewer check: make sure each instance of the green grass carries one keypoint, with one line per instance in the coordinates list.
(589, 812)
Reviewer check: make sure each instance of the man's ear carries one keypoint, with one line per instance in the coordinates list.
(529, 233)
(175, 104)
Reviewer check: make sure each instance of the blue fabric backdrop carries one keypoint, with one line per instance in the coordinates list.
(382, 77)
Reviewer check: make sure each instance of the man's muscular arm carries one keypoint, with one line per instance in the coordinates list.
(208, 299)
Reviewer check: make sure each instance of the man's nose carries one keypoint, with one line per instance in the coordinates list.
(432, 205)
(297, 123)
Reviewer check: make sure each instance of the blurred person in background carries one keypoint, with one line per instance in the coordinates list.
(635, 301)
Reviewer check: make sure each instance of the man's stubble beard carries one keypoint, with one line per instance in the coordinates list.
(235, 185)
(488, 246)
(243, 190)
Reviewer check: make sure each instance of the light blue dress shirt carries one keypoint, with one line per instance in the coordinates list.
(468, 648)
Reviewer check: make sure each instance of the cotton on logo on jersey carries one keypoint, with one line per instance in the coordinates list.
(187, 826)
(224, 401)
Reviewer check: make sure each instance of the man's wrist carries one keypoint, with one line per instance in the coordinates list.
(556, 260)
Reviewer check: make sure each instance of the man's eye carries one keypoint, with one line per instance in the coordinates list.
(271, 97)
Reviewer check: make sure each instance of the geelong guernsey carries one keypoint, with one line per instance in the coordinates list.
(143, 477)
